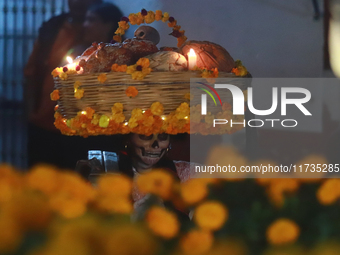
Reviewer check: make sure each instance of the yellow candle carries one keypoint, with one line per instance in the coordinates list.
(192, 59)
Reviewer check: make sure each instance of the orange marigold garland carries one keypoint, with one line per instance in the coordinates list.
(149, 17)
(147, 121)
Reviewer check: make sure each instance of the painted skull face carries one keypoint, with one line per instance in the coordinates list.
(148, 150)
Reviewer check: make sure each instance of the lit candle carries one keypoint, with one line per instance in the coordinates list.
(72, 65)
(192, 59)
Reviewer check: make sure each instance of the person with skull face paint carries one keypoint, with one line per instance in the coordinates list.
(141, 154)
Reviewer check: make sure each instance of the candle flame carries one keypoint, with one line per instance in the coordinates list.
(69, 59)
(191, 53)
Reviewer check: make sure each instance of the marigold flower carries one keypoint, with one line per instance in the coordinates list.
(211, 215)
(172, 24)
(209, 73)
(157, 108)
(138, 75)
(329, 192)
(77, 84)
(239, 70)
(158, 15)
(196, 242)
(120, 31)
(279, 187)
(131, 91)
(89, 112)
(57, 71)
(124, 25)
(102, 78)
(12, 237)
(117, 38)
(117, 185)
(117, 108)
(136, 115)
(55, 95)
(63, 76)
(144, 62)
(79, 93)
(182, 111)
(194, 191)
(157, 182)
(67, 207)
(162, 222)
(43, 178)
(133, 18)
(165, 17)
(140, 19)
(282, 231)
(140, 241)
(104, 121)
(114, 204)
(118, 68)
(150, 17)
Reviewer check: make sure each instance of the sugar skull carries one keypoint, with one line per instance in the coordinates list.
(146, 151)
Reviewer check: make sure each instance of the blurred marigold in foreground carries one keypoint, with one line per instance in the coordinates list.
(162, 222)
(158, 182)
(329, 192)
(194, 190)
(196, 242)
(283, 231)
(211, 215)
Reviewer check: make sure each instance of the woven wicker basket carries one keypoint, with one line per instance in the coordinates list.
(168, 88)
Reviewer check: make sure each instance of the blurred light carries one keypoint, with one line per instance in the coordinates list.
(334, 37)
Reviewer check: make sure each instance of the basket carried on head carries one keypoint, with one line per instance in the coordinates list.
(118, 103)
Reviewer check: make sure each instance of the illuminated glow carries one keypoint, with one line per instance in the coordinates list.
(186, 117)
(192, 59)
(69, 59)
(334, 44)
(83, 112)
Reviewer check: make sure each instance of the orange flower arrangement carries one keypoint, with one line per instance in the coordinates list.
(131, 91)
(146, 122)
